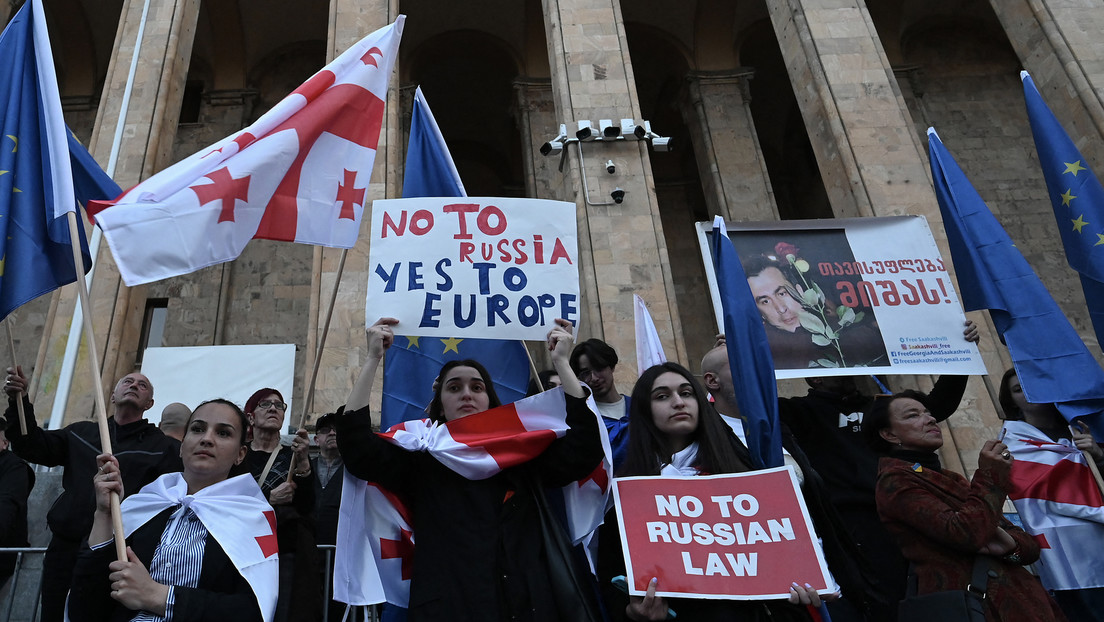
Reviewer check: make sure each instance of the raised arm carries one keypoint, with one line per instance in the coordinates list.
(380, 337)
(560, 341)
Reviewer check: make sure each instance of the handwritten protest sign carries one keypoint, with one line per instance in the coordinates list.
(852, 296)
(744, 536)
(496, 268)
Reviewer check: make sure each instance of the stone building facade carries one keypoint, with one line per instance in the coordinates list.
(777, 109)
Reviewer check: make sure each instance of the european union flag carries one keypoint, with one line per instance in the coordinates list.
(412, 363)
(1050, 358)
(749, 354)
(44, 171)
(1077, 197)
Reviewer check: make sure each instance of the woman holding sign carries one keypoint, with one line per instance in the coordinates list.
(675, 431)
(477, 523)
(951, 529)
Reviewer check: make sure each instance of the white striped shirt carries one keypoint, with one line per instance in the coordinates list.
(178, 559)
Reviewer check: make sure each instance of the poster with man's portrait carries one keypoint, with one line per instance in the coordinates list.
(851, 297)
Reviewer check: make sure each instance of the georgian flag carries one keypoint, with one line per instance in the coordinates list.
(477, 447)
(1060, 504)
(300, 173)
(235, 513)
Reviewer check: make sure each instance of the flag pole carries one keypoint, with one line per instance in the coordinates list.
(93, 367)
(15, 365)
(1095, 470)
(308, 402)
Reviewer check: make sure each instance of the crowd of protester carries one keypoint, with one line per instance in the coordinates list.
(892, 522)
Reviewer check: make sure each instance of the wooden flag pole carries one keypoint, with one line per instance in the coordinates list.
(308, 402)
(15, 365)
(93, 368)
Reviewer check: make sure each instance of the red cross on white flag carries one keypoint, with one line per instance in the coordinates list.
(298, 174)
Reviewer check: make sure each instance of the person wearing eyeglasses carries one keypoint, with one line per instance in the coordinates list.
(292, 499)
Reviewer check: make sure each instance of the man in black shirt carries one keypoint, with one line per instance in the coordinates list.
(143, 451)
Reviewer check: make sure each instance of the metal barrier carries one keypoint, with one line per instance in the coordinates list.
(24, 588)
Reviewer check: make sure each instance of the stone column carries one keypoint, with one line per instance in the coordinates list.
(1058, 42)
(344, 352)
(872, 159)
(717, 110)
(537, 123)
(144, 147)
(622, 247)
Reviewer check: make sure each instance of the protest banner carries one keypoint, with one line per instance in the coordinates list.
(851, 296)
(745, 536)
(494, 268)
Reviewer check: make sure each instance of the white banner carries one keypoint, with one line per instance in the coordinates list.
(494, 268)
(848, 297)
(191, 375)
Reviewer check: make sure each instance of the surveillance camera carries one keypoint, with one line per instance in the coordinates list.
(618, 195)
(609, 130)
(661, 143)
(552, 146)
(555, 145)
(643, 130)
(610, 167)
(586, 131)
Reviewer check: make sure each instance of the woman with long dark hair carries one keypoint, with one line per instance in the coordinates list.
(184, 540)
(480, 554)
(674, 431)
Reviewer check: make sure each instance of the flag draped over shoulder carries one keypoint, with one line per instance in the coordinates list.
(1077, 197)
(477, 447)
(1051, 360)
(44, 170)
(300, 173)
(235, 513)
(412, 363)
(1060, 505)
(749, 354)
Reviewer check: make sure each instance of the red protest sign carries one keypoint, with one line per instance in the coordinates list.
(743, 536)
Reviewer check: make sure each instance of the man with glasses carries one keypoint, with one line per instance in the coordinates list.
(143, 451)
(593, 361)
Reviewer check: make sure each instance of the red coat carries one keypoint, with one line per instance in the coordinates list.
(940, 520)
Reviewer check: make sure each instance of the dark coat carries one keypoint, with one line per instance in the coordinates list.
(16, 481)
(327, 503)
(941, 520)
(479, 547)
(143, 451)
(222, 593)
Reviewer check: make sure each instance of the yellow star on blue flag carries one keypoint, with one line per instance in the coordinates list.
(1058, 155)
(44, 172)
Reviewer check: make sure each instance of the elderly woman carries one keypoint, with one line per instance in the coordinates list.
(480, 554)
(945, 523)
(190, 536)
(674, 431)
(292, 498)
(1041, 436)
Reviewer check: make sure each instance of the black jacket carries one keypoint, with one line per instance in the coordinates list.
(143, 451)
(222, 593)
(479, 553)
(16, 481)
